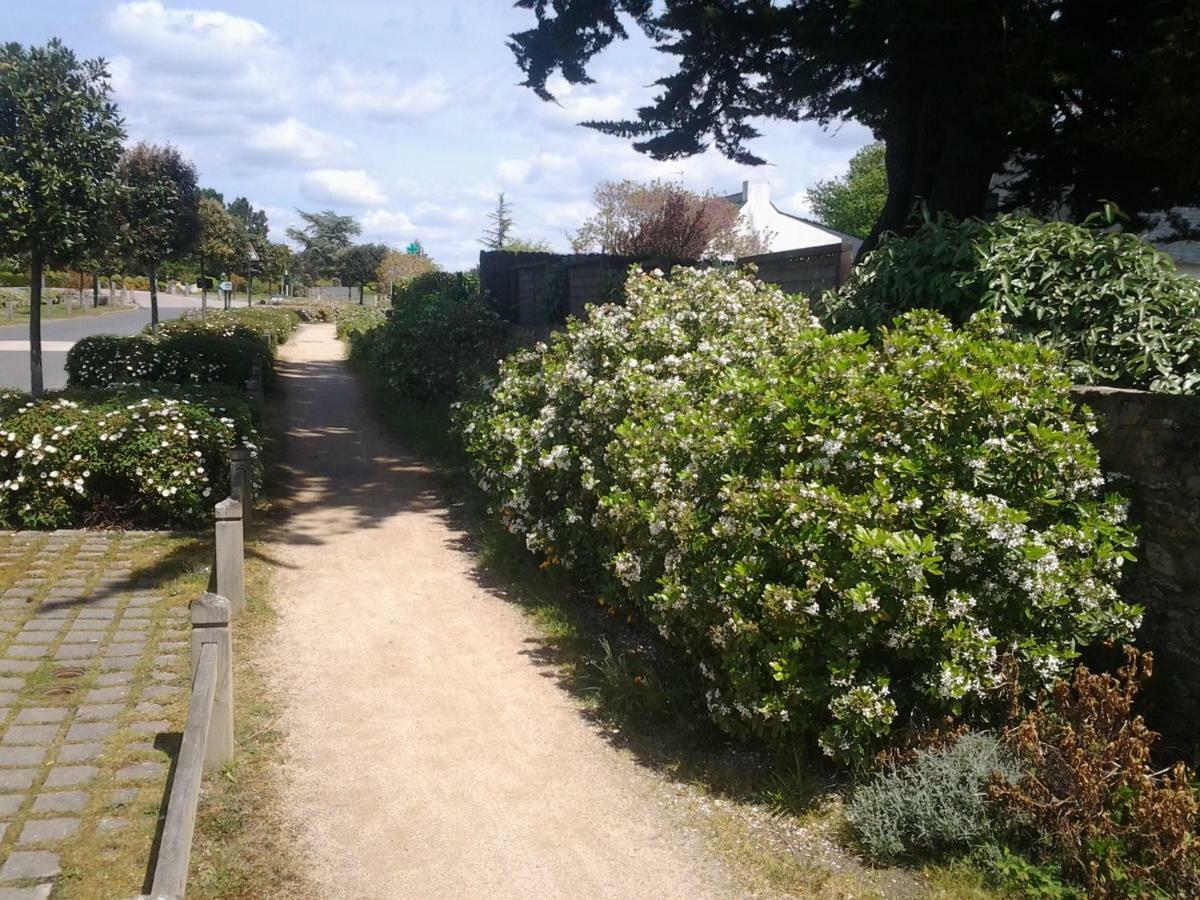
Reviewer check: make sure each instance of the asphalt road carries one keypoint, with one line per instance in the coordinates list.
(57, 336)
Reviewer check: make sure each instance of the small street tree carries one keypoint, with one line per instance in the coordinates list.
(160, 216)
(60, 138)
(358, 264)
(854, 202)
(216, 243)
(398, 267)
(497, 236)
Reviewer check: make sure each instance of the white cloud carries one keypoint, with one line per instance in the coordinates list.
(350, 186)
(381, 93)
(513, 171)
(195, 34)
(293, 142)
(390, 226)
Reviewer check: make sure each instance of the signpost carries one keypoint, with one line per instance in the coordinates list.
(251, 259)
(227, 293)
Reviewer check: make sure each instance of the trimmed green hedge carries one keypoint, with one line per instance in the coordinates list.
(222, 349)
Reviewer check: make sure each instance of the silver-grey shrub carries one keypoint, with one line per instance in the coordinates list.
(936, 804)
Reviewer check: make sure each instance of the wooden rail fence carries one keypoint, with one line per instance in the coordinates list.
(208, 735)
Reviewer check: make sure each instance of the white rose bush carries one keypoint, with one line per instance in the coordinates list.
(118, 458)
(846, 538)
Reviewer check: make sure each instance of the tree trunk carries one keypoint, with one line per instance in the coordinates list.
(154, 298)
(112, 295)
(35, 324)
(95, 291)
(80, 293)
(203, 290)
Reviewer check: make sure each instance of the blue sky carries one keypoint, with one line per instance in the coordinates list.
(406, 115)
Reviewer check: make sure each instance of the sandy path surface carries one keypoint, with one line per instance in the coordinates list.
(430, 754)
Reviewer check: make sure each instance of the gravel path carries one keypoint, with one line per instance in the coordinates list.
(430, 754)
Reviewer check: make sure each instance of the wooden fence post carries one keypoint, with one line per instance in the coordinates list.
(210, 625)
(254, 384)
(231, 563)
(241, 483)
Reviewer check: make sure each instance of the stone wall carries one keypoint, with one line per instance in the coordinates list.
(1152, 441)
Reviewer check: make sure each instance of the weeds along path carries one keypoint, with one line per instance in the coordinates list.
(430, 753)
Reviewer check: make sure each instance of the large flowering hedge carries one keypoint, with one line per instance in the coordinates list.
(122, 457)
(845, 538)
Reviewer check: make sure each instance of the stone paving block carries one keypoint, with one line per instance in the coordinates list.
(22, 756)
(18, 666)
(17, 779)
(129, 637)
(145, 708)
(99, 711)
(7, 698)
(107, 694)
(35, 637)
(124, 650)
(166, 660)
(31, 864)
(29, 734)
(110, 679)
(113, 823)
(143, 771)
(122, 797)
(158, 691)
(96, 613)
(40, 715)
(70, 776)
(25, 651)
(37, 892)
(10, 803)
(80, 753)
(155, 727)
(120, 663)
(77, 651)
(40, 831)
(63, 801)
(89, 731)
(11, 684)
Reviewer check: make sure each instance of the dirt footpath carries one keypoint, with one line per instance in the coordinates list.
(429, 753)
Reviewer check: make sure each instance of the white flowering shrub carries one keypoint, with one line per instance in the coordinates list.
(147, 460)
(254, 322)
(843, 537)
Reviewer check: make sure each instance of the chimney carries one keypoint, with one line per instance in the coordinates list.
(756, 193)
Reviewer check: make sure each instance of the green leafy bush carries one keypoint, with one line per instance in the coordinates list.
(355, 321)
(438, 337)
(249, 323)
(935, 805)
(1113, 305)
(843, 537)
(152, 457)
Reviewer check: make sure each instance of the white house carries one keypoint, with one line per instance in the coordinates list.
(783, 231)
(1186, 253)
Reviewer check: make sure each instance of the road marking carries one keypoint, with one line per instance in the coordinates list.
(47, 346)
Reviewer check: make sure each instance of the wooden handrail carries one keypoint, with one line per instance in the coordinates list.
(175, 849)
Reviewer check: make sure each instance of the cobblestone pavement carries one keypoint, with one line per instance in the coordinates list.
(92, 665)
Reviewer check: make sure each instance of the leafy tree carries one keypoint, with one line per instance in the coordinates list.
(324, 235)
(495, 237)
(358, 263)
(853, 203)
(208, 193)
(218, 240)
(658, 218)
(60, 138)
(1081, 95)
(254, 220)
(522, 245)
(276, 261)
(397, 268)
(160, 217)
